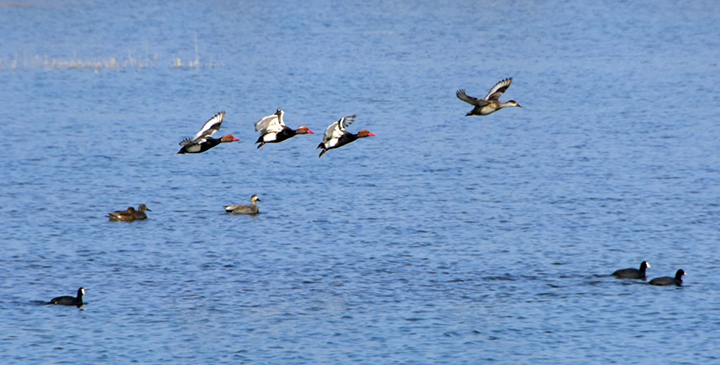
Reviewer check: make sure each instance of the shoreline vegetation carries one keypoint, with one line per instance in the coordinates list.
(26, 62)
(21, 63)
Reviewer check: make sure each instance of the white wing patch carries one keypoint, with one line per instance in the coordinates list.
(269, 137)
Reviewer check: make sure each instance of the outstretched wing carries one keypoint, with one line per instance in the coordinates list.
(269, 124)
(344, 122)
(209, 128)
(336, 130)
(469, 99)
(498, 89)
(187, 142)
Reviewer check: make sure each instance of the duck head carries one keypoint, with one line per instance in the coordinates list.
(365, 133)
(228, 138)
(304, 130)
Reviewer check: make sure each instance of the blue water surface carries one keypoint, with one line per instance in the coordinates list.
(443, 239)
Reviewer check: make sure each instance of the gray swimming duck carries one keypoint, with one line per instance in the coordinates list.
(245, 209)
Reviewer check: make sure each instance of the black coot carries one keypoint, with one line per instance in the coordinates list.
(68, 300)
(633, 273)
(666, 280)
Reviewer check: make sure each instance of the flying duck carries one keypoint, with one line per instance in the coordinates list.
(272, 129)
(336, 136)
(203, 140)
(490, 104)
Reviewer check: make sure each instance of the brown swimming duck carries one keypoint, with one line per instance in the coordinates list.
(491, 103)
(129, 214)
(245, 209)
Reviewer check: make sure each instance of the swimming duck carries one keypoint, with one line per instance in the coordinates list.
(633, 273)
(130, 214)
(272, 129)
(336, 136)
(203, 140)
(245, 209)
(68, 300)
(491, 103)
(666, 280)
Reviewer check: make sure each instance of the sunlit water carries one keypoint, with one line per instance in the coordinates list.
(444, 239)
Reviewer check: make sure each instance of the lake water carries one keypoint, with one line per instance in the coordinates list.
(444, 239)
